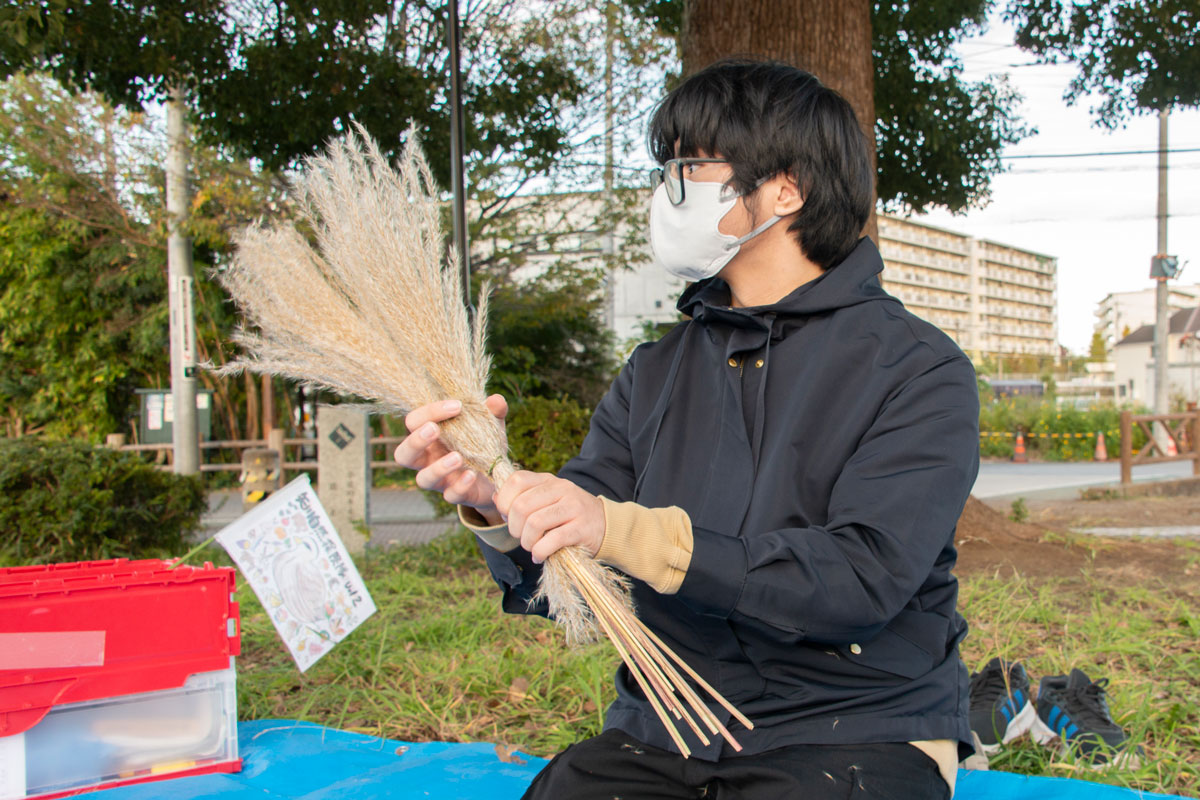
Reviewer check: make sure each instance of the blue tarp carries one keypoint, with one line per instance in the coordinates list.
(302, 761)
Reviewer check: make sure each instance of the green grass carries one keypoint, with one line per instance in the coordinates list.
(439, 661)
(1143, 639)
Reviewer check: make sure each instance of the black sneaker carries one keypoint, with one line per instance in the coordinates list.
(1000, 707)
(1073, 710)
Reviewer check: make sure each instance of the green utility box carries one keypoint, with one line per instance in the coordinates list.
(156, 415)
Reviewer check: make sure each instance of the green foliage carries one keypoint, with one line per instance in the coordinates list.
(1138, 56)
(82, 314)
(1025, 364)
(548, 338)
(82, 264)
(69, 501)
(1020, 510)
(65, 364)
(938, 137)
(545, 433)
(1098, 351)
(124, 50)
(1051, 433)
(276, 80)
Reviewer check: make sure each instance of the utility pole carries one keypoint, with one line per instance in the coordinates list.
(1162, 323)
(180, 276)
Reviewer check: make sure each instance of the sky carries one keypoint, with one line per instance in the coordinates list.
(1096, 215)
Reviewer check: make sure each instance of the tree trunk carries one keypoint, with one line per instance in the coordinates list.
(829, 38)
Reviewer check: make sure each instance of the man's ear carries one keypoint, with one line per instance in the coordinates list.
(783, 195)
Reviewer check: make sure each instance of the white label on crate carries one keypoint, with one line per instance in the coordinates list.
(12, 766)
(51, 649)
(289, 552)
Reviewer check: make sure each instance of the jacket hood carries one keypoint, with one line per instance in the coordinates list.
(849, 283)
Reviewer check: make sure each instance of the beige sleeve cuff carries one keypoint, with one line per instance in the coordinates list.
(496, 536)
(651, 544)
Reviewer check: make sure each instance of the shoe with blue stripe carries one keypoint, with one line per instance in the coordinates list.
(1072, 710)
(1000, 704)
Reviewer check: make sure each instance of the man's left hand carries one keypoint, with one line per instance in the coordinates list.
(548, 513)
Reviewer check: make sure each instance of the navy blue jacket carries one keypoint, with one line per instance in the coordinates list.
(823, 447)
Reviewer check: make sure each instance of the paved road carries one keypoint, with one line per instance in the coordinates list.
(1048, 480)
(401, 516)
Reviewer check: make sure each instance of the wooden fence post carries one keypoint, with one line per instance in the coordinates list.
(1126, 448)
(275, 442)
(1195, 432)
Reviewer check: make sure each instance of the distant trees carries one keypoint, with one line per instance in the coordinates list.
(267, 80)
(81, 285)
(83, 310)
(1138, 56)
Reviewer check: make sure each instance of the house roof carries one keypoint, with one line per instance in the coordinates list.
(1179, 324)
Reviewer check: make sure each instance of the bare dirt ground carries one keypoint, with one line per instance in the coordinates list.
(989, 542)
(1125, 513)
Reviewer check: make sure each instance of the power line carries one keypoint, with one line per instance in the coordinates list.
(1112, 218)
(1128, 168)
(1103, 153)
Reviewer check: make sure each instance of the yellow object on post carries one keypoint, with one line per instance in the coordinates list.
(260, 475)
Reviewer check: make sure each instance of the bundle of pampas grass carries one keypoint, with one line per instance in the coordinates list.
(375, 310)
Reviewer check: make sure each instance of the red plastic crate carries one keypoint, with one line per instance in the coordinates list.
(152, 626)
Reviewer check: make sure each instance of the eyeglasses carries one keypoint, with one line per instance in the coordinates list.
(671, 174)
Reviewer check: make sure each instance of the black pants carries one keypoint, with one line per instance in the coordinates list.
(615, 766)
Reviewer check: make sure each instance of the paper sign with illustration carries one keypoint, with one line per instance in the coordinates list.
(297, 565)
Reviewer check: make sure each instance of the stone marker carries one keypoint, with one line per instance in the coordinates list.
(344, 471)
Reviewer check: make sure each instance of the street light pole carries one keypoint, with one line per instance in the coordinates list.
(609, 242)
(457, 146)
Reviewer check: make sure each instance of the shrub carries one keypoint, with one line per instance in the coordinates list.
(544, 434)
(70, 501)
(1051, 433)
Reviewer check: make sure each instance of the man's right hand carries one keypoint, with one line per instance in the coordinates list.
(440, 469)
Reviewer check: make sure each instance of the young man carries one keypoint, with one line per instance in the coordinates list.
(781, 475)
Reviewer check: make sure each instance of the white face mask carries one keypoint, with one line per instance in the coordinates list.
(685, 239)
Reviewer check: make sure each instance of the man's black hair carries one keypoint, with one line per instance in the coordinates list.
(769, 118)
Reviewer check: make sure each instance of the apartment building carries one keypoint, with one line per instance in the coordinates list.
(993, 299)
(1121, 313)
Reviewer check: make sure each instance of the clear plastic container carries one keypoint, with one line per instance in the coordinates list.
(91, 744)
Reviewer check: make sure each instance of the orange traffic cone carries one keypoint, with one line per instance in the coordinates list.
(1101, 449)
(1019, 449)
(1172, 450)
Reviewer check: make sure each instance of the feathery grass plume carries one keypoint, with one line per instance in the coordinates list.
(375, 310)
